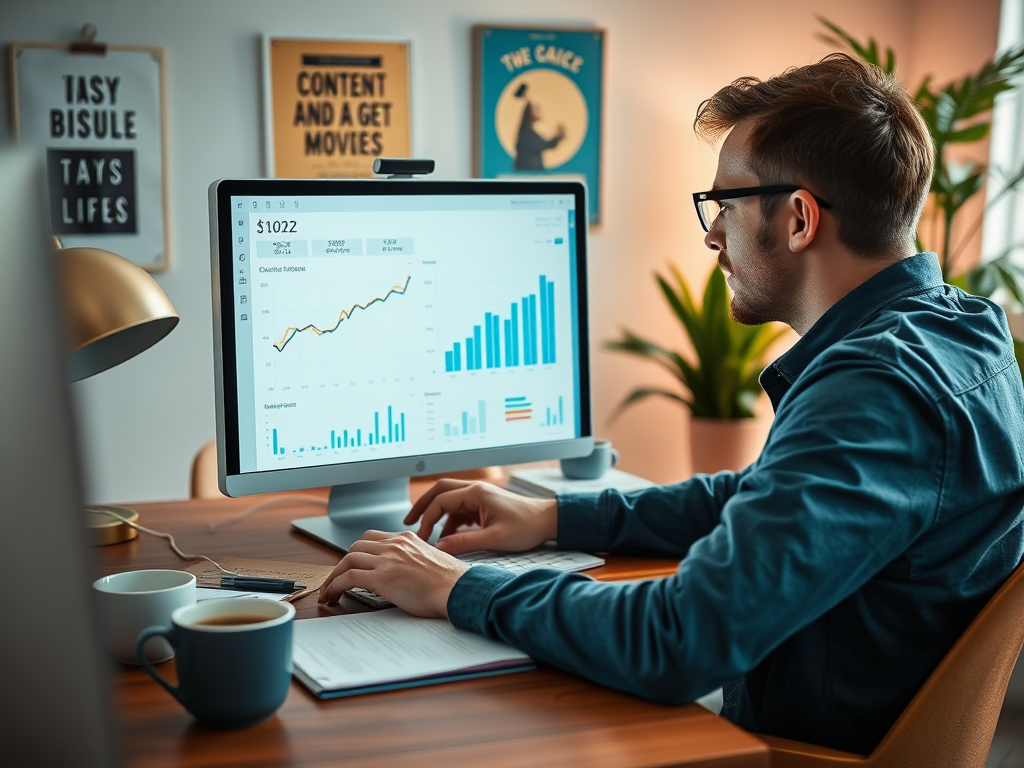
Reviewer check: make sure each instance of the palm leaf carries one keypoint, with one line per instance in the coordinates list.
(869, 53)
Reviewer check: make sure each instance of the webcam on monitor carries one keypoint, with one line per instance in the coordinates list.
(398, 167)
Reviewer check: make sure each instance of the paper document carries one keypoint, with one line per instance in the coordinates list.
(548, 482)
(340, 655)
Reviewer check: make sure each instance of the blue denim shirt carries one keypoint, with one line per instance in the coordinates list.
(821, 585)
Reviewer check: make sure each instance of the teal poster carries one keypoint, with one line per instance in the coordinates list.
(538, 106)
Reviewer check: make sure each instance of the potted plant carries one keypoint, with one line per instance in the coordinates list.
(960, 113)
(718, 380)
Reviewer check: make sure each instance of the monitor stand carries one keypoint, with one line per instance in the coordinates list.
(359, 507)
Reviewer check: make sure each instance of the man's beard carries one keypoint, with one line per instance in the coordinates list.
(762, 295)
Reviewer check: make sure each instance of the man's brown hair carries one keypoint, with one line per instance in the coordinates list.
(848, 131)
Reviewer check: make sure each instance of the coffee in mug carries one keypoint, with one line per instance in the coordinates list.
(233, 657)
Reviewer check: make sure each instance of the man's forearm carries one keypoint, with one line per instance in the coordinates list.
(661, 521)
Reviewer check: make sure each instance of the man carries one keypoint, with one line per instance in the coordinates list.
(821, 585)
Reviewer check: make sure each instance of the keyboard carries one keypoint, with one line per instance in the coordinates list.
(516, 562)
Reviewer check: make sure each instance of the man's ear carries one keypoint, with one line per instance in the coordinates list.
(804, 216)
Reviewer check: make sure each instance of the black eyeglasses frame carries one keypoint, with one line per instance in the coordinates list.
(731, 194)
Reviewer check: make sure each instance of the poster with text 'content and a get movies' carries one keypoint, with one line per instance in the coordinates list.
(334, 106)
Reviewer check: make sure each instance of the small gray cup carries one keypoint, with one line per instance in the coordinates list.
(593, 466)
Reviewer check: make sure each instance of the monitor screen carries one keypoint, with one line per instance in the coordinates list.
(377, 329)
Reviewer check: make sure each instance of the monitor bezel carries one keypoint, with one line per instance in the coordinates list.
(231, 480)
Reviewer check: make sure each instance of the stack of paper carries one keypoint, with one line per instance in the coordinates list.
(380, 651)
(548, 482)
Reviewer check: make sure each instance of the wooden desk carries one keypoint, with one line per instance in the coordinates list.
(539, 718)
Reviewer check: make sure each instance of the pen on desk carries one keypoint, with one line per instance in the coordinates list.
(258, 584)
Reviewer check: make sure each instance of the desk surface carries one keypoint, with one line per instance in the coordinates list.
(536, 718)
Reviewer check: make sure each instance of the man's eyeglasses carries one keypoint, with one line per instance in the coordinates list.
(708, 207)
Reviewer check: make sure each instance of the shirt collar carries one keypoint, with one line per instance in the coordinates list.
(904, 278)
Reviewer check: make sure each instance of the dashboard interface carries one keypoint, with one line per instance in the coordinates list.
(376, 326)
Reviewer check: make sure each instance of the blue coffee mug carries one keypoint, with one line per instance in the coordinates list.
(593, 466)
(233, 657)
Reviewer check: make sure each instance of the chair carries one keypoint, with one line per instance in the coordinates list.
(203, 483)
(951, 720)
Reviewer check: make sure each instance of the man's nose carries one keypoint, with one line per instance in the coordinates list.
(713, 239)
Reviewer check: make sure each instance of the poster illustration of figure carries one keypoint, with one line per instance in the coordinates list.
(537, 105)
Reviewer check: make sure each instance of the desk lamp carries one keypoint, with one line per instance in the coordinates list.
(113, 311)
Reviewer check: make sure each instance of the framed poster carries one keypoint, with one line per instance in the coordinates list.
(98, 118)
(537, 105)
(334, 106)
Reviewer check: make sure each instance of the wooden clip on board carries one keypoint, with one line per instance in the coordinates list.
(98, 114)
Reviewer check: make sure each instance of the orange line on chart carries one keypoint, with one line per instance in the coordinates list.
(345, 314)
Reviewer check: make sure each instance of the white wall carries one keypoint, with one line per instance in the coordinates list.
(144, 419)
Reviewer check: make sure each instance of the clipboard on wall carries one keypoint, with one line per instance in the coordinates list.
(97, 115)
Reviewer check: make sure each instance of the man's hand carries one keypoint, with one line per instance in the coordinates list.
(508, 522)
(400, 567)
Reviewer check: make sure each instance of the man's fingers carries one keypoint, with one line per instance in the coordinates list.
(451, 525)
(352, 560)
(456, 502)
(372, 546)
(373, 535)
(470, 541)
(352, 578)
(441, 486)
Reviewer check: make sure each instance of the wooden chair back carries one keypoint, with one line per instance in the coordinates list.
(951, 720)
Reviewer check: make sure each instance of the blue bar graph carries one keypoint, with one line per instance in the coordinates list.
(497, 346)
(544, 352)
(527, 352)
(515, 333)
(467, 424)
(554, 418)
(549, 324)
(490, 341)
(527, 334)
(383, 433)
(532, 339)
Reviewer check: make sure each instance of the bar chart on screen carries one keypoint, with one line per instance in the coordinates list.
(522, 335)
(344, 432)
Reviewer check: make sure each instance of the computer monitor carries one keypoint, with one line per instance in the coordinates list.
(371, 331)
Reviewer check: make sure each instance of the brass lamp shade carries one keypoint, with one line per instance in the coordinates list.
(113, 309)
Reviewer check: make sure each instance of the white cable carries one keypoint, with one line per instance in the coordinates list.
(169, 537)
(268, 503)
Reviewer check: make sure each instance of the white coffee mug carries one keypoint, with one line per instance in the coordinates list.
(131, 601)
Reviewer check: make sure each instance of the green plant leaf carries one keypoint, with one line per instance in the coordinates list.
(721, 380)
(869, 53)
(671, 361)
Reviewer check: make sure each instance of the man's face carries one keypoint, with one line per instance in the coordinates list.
(751, 250)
